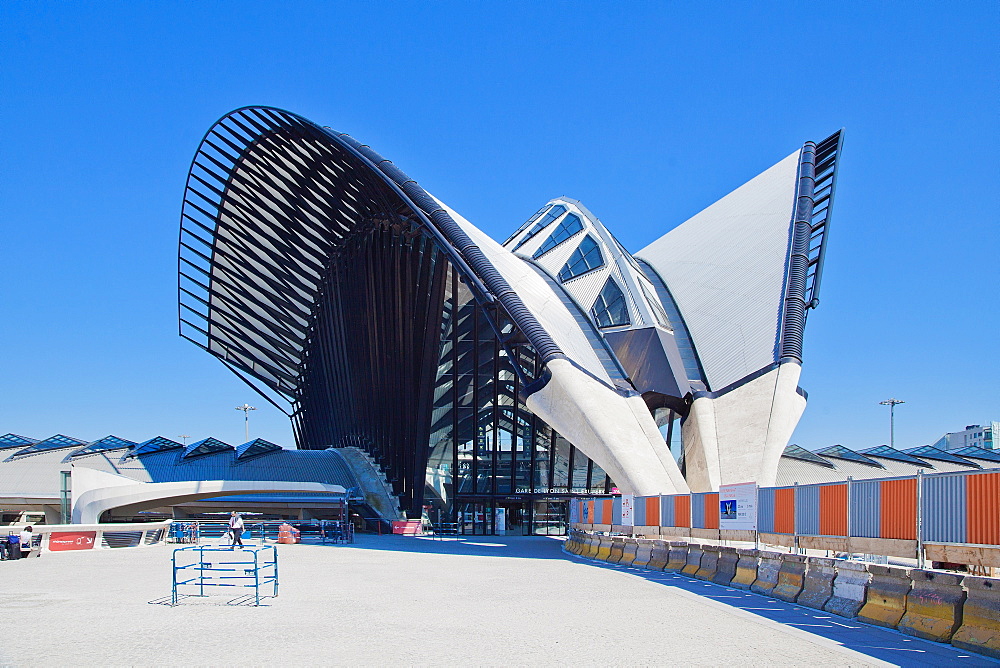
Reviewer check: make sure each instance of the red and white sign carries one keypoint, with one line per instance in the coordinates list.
(628, 505)
(60, 541)
(407, 527)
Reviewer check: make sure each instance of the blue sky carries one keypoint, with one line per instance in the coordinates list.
(647, 112)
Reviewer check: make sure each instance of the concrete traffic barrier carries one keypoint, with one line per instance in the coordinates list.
(659, 555)
(709, 563)
(817, 588)
(573, 544)
(746, 568)
(617, 549)
(693, 562)
(933, 606)
(590, 546)
(604, 549)
(726, 570)
(678, 556)
(885, 604)
(791, 578)
(583, 545)
(980, 629)
(629, 549)
(767, 573)
(643, 552)
(850, 588)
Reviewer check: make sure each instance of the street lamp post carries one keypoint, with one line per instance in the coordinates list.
(246, 408)
(892, 403)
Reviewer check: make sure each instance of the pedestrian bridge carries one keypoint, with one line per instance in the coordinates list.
(96, 492)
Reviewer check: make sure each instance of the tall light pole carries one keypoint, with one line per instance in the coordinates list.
(892, 403)
(246, 408)
(185, 438)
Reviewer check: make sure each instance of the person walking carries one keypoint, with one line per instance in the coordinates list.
(236, 529)
(26, 536)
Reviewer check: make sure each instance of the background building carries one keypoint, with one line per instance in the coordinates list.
(974, 435)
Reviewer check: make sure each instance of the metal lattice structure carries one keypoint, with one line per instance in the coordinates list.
(297, 244)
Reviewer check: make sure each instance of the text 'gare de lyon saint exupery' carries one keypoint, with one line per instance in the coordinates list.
(477, 372)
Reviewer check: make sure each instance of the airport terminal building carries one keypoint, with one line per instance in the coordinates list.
(482, 375)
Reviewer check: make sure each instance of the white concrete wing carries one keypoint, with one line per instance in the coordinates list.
(726, 270)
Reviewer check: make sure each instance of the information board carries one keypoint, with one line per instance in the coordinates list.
(628, 503)
(738, 506)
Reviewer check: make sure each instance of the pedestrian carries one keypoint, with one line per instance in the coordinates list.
(26, 536)
(236, 529)
(13, 545)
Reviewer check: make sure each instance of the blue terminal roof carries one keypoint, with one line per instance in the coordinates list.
(885, 452)
(978, 453)
(256, 447)
(15, 441)
(109, 442)
(798, 452)
(158, 444)
(51, 443)
(840, 452)
(930, 452)
(206, 446)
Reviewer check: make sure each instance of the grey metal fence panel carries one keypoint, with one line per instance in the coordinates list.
(616, 512)
(807, 510)
(866, 509)
(639, 511)
(698, 511)
(666, 511)
(765, 510)
(944, 508)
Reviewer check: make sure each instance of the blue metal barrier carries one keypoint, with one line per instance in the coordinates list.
(200, 566)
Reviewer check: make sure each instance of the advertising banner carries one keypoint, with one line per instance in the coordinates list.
(738, 506)
(628, 503)
(60, 541)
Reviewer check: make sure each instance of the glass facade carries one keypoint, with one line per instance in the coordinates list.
(586, 257)
(552, 215)
(570, 226)
(610, 309)
(493, 466)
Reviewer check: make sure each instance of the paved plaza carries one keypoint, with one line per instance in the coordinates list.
(411, 601)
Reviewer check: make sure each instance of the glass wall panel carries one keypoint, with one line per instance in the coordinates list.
(489, 457)
(581, 466)
(560, 465)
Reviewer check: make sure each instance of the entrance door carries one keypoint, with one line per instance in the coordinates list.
(475, 519)
(550, 518)
(512, 519)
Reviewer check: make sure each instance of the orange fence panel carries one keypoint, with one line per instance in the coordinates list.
(784, 510)
(712, 511)
(899, 509)
(833, 510)
(653, 511)
(682, 511)
(982, 493)
(607, 511)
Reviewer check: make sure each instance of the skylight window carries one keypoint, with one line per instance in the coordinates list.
(586, 257)
(654, 305)
(543, 222)
(570, 226)
(610, 309)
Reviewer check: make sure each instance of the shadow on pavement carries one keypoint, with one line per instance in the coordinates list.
(879, 643)
(521, 547)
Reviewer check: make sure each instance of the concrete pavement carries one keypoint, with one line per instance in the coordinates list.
(409, 601)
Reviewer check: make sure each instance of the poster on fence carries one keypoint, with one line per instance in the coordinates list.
(738, 506)
(628, 503)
